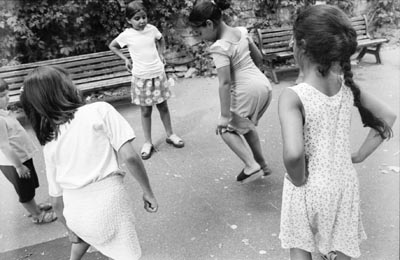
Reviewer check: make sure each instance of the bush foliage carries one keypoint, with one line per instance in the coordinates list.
(47, 29)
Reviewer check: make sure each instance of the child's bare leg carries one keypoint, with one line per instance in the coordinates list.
(341, 256)
(253, 140)
(299, 254)
(78, 250)
(32, 208)
(146, 122)
(165, 117)
(237, 145)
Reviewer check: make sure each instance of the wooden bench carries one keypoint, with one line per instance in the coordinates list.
(90, 72)
(366, 43)
(275, 47)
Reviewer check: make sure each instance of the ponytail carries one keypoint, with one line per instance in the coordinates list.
(367, 117)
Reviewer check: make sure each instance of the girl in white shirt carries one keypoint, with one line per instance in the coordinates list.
(150, 85)
(82, 145)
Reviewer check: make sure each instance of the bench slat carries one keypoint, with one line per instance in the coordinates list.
(59, 61)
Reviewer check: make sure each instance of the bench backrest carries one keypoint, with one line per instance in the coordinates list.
(88, 71)
(361, 26)
(273, 41)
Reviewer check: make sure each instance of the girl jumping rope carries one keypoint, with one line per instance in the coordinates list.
(150, 85)
(321, 202)
(244, 91)
(82, 147)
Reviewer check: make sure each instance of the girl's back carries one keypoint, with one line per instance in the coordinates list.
(326, 134)
(237, 54)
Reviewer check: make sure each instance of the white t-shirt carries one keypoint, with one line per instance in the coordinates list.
(146, 62)
(86, 148)
(18, 139)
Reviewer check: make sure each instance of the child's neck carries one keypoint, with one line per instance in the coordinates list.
(329, 84)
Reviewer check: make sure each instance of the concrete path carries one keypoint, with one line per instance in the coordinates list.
(204, 213)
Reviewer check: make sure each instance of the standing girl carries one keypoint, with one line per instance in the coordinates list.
(82, 147)
(321, 202)
(244, 91)
(150, 85)
(16, 151)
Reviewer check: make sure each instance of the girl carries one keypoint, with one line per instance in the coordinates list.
(82, 147)
(320, 202)
(149, 82)
(16, 151)
(244, 91)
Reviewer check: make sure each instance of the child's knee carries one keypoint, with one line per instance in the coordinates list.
(146, 111)
(163, 107)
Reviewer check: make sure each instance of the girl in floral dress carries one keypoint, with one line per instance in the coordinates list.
(321, 202)
(149, 83)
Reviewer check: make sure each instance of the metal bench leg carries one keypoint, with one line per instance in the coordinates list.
(274, 76)
(377, 55)
(361, 54)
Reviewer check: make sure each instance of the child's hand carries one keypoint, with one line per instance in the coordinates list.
(162, 59)
(222, 124)
(128, 65)
(23, 172)
(150, 203)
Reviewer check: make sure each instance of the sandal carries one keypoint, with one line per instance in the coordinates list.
(175, 140)
(147, 151)
(245, 178)
(330, 256)
(45, 217)
(45, 206)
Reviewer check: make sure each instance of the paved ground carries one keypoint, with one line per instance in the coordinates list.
(203, 213)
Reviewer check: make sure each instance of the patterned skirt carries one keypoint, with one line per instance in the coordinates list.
(148, 92)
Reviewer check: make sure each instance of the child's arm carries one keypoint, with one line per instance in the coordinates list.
(291, 119)
(136, 167)
(224, 77)
(255, 53)
(160, 43)
(373, 139)
(22, 170)
(114, 47)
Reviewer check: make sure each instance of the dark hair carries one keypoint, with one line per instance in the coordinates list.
(204, 10)
(327, 36)
(134, 7)
(49, 99)
(3, 85)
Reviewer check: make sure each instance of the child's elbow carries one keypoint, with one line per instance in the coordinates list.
(391, 118)
(291, 157)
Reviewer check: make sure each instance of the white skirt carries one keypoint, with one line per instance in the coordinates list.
(102, 215)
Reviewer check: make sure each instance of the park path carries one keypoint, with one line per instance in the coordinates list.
(204, 213)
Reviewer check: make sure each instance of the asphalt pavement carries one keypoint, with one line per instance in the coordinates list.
(204, 213)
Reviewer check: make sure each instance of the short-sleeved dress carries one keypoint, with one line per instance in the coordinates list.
(150, 84)
(324, 214)
(251, 90)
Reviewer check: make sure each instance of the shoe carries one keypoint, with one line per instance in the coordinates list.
(147, 151)
(45, 206)
(175, 140)
(45, 217)
(245, 178)
(266, 170)
(330, 256)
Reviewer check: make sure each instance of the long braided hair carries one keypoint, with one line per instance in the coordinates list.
(327, 37)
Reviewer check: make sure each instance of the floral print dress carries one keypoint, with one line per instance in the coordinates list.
(324, 214)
